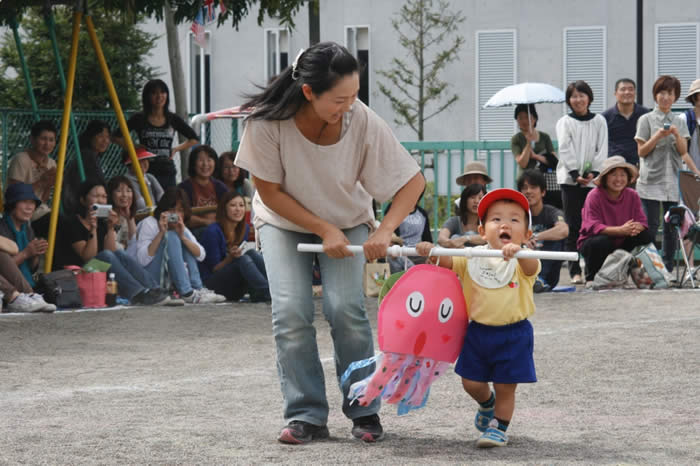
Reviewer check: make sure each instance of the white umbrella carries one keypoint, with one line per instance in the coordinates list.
(526, 93)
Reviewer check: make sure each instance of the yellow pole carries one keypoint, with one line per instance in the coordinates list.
(67, 104)
(118, 109)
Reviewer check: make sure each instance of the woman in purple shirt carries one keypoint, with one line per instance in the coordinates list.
(612, 216)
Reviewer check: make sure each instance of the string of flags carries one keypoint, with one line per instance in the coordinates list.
(205, 16)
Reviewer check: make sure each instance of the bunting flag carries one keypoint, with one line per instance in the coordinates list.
(205, 17)
(197, 29)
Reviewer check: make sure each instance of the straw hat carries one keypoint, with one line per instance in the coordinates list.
(474, 168)
(617, 161)
(694, 89)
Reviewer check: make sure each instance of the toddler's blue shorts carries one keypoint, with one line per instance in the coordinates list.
(500, 354)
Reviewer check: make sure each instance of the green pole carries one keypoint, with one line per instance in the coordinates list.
(25, 70)
(51, 24)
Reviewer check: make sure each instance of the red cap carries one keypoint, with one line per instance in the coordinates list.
(141, 153)
(502, 194)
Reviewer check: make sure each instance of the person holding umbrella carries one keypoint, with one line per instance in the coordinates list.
(583, 147)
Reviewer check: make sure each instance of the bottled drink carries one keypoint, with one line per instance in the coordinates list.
(111, 295)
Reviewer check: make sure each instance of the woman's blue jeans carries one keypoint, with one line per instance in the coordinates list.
(298, 363)
(184, 278)
(131, 277)
(245, 274)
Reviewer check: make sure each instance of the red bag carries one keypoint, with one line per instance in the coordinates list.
(92, 286)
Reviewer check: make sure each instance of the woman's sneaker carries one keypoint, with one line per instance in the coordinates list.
(367, 428)
(48, 307)
(217, 297)
(298, 432)
(203, 296)
(25, 303)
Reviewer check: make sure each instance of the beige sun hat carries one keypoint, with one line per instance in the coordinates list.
(617, 161)
(694, 89)
(474, 168)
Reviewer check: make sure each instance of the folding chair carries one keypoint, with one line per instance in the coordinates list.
(689, 187)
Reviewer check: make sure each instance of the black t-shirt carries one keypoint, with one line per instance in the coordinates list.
(546, 219)
(72, 231)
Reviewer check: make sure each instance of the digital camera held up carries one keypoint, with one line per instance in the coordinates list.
(101, 210)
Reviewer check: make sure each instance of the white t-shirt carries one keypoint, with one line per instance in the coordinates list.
(146, 230)
(335, 182)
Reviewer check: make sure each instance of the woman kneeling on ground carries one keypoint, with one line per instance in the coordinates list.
(612, 216)
(228, 268)
(85, 236)
(164, 239)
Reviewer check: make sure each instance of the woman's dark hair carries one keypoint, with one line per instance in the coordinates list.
(113, 184)
(320, 66)
(524, 108)
(93, 128)
(469, 191)
(148, 89)
(234, 236)
(218, 174)
(170, 198)
(667, 83)
(41, 126)
(581, 86)
(534, 178)
(84, 189)
(194, 155)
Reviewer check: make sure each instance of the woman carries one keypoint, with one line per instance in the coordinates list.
(233, 177)
(156, 127)
(85, 236)
(35, 167)
(120, 194)
(228, 268)
(462, 230)
(412, 230)
(202, 189)
(94, 142)
(583, 147)
(533, 149)
(318, 156)
(662, 144)
(152, 184)
(20, 251)
(612, 216)
(163, 239)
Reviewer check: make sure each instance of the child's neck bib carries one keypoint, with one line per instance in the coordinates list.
(491, 272)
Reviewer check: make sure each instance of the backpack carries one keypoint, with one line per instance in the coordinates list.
(60, 288)
(615, 270)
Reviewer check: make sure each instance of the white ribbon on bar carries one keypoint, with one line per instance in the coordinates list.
(397, 251)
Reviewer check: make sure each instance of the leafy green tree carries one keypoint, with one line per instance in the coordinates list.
(425, 29)
(125, 46)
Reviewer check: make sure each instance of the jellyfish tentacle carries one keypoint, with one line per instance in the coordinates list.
(405, 382)
(429, 373)
(375, 384)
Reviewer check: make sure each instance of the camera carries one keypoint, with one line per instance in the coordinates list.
(173, 218)
(667, 126)
(101, 210)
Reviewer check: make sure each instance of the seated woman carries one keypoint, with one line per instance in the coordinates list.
(85, 236)
(228, 268)
(163, 239)
(414, 229)
(462, 230)
(234, 177)
(20, 251)
(612, 216)
(94, 142)
(120, 194)
(152, 184)
(202, 189)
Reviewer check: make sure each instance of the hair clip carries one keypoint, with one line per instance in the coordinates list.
(295, 73)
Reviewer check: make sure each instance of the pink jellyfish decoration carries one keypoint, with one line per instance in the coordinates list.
(422, 321)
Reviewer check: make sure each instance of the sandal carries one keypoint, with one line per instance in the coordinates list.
(577, 280)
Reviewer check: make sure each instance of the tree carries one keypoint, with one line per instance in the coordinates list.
(422, 26)
(125, 46)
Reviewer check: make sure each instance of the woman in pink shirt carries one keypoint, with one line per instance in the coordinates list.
(612, 216)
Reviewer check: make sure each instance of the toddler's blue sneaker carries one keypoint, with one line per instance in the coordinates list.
(493, 437)
(483, 417)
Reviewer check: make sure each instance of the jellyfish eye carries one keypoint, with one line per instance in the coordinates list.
(415, 303)
(445, 310)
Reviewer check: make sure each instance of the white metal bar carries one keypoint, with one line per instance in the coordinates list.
(398, 251)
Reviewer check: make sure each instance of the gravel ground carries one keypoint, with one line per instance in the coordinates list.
(618, 384)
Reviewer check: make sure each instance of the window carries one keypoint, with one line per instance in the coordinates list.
(584, 59)
(357, 42)
(496, 66)
(276, 52)
(199, 88)
(677, 55)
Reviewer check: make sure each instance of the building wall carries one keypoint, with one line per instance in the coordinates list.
(237, 55)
